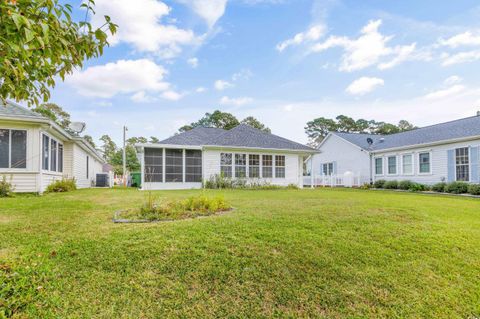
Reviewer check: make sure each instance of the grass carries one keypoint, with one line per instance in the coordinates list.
(289, 253)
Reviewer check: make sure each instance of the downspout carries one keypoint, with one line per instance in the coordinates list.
(370, 169)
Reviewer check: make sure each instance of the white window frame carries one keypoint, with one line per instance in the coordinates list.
(469, 163)
(329, 169)
(9, 168)
(388, 165)
(50, 154)
(375, 165)
(419, 164)
(412, 156)
(284, 166)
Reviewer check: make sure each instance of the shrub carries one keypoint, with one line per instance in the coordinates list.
(391, 185)
(6, 188)
(417, 187)
(439, 187)
(405, 185)
(63, 185)
(474, 189)
(366, 186)
(457, 188)
(380, 183)
(218, 181)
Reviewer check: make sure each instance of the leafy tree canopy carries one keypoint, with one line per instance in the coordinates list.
(225, 121)
(319, 128)
(39, 41)
(90, 141)
(56, 114)
(109, 148)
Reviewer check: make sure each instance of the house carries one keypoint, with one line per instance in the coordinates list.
(187, 159)
(35, 151)
(442, 152)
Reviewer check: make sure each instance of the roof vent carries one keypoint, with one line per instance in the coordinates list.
(382, 140)
(369, 141)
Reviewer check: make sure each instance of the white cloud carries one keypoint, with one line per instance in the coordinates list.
(120, 77)
(364, 85)
(243, 74)
(142, 97)
(235, 101)
(454, 79)
(200, 89)
(221, 85)
(443, 93)
(462, 39)
(312, 34)
(193, 62)
(462, 57)
(209, 10)
(140, 26)
(171, 95)
(367, 50)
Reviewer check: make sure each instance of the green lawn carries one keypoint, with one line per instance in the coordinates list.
(289, 253)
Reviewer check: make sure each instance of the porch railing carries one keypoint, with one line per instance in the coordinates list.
(345, 180)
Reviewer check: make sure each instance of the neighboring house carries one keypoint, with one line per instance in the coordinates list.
(187, 159)
(35, 151)
(442, 152)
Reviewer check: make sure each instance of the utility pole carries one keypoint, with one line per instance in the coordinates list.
(124, 156)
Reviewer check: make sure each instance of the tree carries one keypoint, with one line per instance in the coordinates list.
(153, 139)
(253, 122)
(132, 162)
(346, 124)
(108, 147)
(40, 42)
(56, 114)
(90, 141)
(319, 128)
(404, 125)
(136, 140)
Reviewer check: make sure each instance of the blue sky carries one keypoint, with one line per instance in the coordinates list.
(284, 62)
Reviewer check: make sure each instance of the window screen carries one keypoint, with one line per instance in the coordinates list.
(226, 164)
(280, 166)
(4, 148)
(267, 164)
(174, 165)
(193, 166)
(153, 165)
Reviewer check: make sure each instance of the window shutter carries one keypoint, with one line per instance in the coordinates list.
(474, 164)
(335, 168)
(451, 165)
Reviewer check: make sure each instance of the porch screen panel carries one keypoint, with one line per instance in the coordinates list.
(4, 148)
(193, 166)
(173, 165)
(153, 165)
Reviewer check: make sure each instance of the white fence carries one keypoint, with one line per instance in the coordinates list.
(348, 179)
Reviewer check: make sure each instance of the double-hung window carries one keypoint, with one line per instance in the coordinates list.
(52, 154)
(407, 164)
(379, 166)
(45, 152)
(462, 164)
(240, 165)
(280, 166)
(13, 148)
(327, 169)
(226, 164)
(267, 166)
(253, 165)
(424, 165)
(392, 165)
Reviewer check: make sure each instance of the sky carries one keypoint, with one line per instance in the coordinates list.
(285, 62)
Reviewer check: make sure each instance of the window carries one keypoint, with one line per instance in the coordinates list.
(392, 165)
(267, 166)
(240, 165)
(462, 164)
(254, 166)
(379, 166)
(13, 148)
(60, 158)
(88, 166)
(153, 165)
(45, 154)
(226, 164)
(173, 165)
(53, 155)
(193, 166)
(407, 164)
(424, 163)
(280, 166)
(327, 169)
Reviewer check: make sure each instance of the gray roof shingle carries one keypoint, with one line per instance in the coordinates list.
(241, 136)
(15, 110)
(462, 128)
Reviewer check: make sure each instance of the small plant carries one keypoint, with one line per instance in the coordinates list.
(457, 188)
(218, 181)
(379, 184)
(439, 187)
(417, 187)
(405, 185)
(6, 187)
(474, 189)
(365, 186)
(63, 185)
(391, 185)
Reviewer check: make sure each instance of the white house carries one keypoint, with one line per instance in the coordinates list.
(187, 159)
(35, 151)
(442, 152)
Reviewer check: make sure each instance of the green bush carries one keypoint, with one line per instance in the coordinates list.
(439, 187)
(417, 187)
(391, 185)
(405, 185)
(63, 185)
(6, 188)
(474, 189)
(218, 181)
(365, 186)
(379, 184)
(457, 188)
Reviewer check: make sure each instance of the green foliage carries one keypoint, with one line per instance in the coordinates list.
(379, 183)
(6, 187)
(457, 188)
(56, 113)
(63, 185)
(391, 185)
(366, 186)
(225, 121)
(109, 148)
(133, 164)
(218, 181)
(40, 42)
(439, 187)
(474, 189)
(253, 122)
(89, 140)
(405, 185)
(417, 187)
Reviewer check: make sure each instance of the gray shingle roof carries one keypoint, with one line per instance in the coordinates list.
(462, 128)
(15, 110)
(241, 136)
